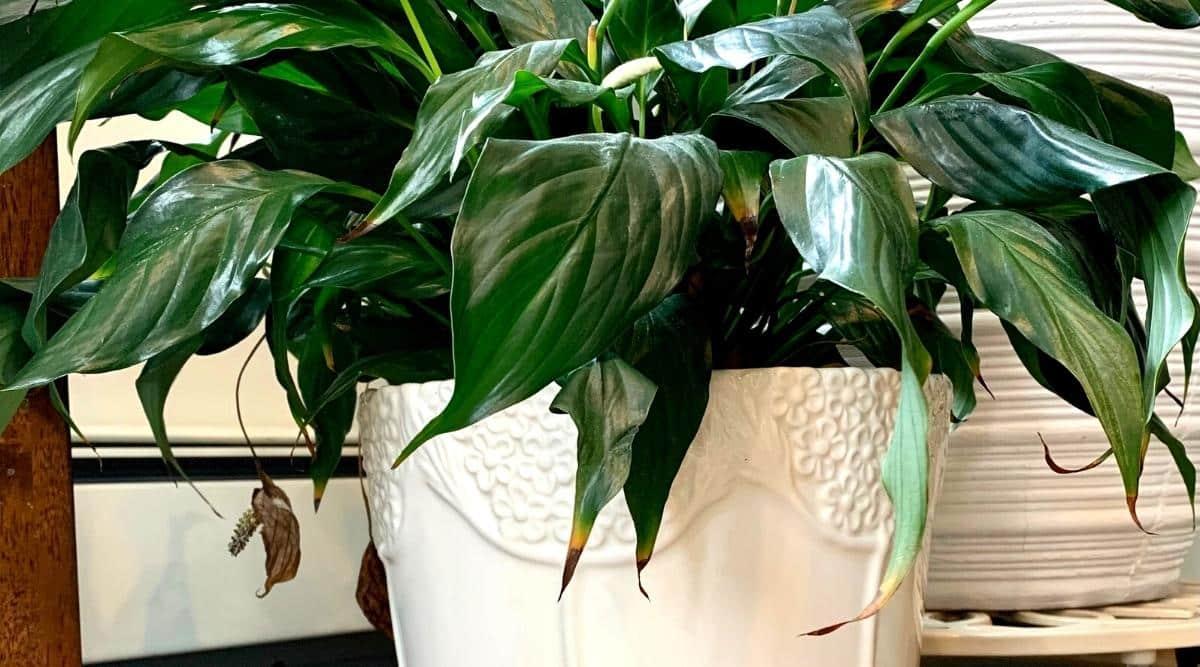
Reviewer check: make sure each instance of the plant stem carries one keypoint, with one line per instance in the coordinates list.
(910, 26)
(610, 10)
(420, 33)
(641, 93)
(944, 33)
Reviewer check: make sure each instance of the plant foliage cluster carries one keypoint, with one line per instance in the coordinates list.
(619, 196)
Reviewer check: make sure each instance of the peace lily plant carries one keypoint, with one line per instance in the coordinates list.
(617, 196)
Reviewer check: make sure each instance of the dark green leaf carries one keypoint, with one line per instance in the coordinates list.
(239, 321)
(32, 105)
(854, 221)
(526, 21)
(527, 86)
(233, 35)
(89, 227)
(1004, 155)
(1167, 13)
(1030, 280)
(456, 113)
(824, 125)
(13, 354)
(821, 36)
(745, 174)
(153, 385)
(608, 400)
(317, 132)
(188, 253)
(670, 346)
(640, 25)
(562, 246)
(691, 10)
(1185, 163)
(315, 375)
(394, 265)
(1187, 470)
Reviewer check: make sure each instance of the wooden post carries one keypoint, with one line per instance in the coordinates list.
(39, 592)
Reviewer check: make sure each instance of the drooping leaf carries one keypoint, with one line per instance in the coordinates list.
(14, 352)
(395, 265)
(469, 103)
(1179, 454)
(153, 385)
(1167, 13)
(239, 321)
(563, 245)
(745, 174)
(371, 593)
(640, 25)
(31, 106)
(280, 533)
(854, 221)
(317, 132)
(527, 21)
(187, 254)
(323, 353)
(232, 35)
(89, 227)
(1004, 155)
(824, 125)
(608, 400)
(1028, 278)
(820, 36)
(671, 347)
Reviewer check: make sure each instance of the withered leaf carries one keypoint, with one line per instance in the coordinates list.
(280, 533)
(372, 593)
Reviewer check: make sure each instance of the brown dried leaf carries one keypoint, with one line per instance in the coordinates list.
(372, 593)
(280, 533)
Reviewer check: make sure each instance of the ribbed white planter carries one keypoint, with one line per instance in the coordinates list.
(777, 524)
(1009, 532)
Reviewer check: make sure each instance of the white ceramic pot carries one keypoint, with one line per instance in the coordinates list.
(777, 524)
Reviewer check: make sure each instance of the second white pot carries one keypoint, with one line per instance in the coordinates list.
(777, 524)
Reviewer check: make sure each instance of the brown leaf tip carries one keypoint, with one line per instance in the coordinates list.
(1131, 502)
(569, 566)
(641, 565)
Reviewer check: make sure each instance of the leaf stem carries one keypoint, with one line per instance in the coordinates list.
(944, 33)
(913, 24)
(420, 33)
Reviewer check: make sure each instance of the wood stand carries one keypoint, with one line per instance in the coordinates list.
(39, 592)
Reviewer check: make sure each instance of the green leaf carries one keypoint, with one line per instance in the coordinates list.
(1187, 470)
(456, 113)
(315, 375)
(232, 35)
(153, 384)
(317, 132)
(525, 21)
(1003, 155)
(1184, 164)
(691, 10)
(1055, 90)
(1167, 13)
(854, 221)
(779, 78)
(671, 347)
(1025, 275)
(823, 125)
(640, 25)
(187, 254)
(395, 265)
(821, 36)
(527, 86)
(397, 367)
(13, 354)
(745, 173)
(239, 321)
(32, 105)
(562, 246)
(608, 400)
(89, 227)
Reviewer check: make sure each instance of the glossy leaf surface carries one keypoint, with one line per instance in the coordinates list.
(186, 256)
(563, 245)
(608, 400)
(854, 221)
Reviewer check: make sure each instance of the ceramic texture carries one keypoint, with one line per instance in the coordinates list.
(777, 524)
(1009, 532)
